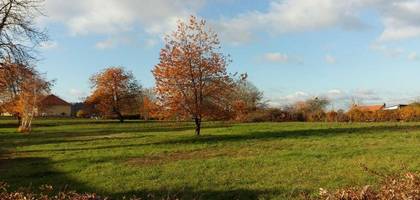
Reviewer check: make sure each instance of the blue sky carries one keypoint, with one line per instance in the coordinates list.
(366, 50)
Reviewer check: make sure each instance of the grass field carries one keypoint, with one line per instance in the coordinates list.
(230, 161)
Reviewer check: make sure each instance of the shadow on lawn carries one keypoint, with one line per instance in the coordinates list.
(33, 172)
(263, 135)
(91, 134)
(24, 172)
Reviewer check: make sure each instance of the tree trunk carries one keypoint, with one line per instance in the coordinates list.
(19, 118)
(120, 117)
(197, 126)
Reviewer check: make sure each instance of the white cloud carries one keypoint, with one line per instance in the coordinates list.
(413, 56)
(48, 45)
(151, 42)
(392, 52)
(106, 44)
(293, 16)
(330, 59)
(77, 94)
(276, 57)
(114, 41)
(115, 16)
(401, 20)
(334, 92)
(281, 58)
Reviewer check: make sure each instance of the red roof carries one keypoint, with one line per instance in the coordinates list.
(52, 100)
(371, 108)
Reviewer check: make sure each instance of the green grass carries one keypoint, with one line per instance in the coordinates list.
(230, 161)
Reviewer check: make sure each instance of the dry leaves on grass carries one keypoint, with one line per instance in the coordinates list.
(405, 187)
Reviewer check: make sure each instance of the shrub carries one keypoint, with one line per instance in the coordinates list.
(258, 116)
(82, 114)
(410, 113)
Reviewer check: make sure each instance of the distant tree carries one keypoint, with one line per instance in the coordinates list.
(115, 92)
(149, 108)
(246, 98)
(312, 109)
(357, 115)
(249, 93)
(332, 116)
(191, 77)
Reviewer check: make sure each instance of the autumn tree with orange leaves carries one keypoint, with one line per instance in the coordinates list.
(21, 91)
(115, 92)
(191, 77)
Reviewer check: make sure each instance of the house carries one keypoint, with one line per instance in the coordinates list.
(371, 108)
(53, 106)
(395, 107)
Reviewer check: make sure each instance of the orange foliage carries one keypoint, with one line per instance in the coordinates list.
(150, 109)
(240, 110)
(191, 77)
(410, 113)
(21, 90)
(115, 92)
(332, 116)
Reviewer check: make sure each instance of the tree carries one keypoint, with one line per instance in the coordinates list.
(247, 98)
(19, 36)
(12, 78)
(21, 90)
(191, 77)
(149, 108)
(20, 84)
(312, 109)
(115, 92)
(33, 91)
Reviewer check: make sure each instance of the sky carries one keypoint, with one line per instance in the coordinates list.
(365, 50)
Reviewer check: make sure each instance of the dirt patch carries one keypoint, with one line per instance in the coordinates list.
(201, 154)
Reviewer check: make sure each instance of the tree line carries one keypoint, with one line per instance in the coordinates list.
(192, 81)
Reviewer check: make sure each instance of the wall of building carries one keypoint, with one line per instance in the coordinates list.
(51, 111)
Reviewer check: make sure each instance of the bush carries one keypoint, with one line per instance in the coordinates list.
(396, 187)
(82, 114)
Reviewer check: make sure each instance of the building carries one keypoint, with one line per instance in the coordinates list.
(395, 107)
(371, 108)
(53, 106)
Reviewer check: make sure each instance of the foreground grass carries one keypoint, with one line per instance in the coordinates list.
(239, 161)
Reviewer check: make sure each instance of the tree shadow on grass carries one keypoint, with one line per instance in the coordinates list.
(254, 136)
(24, 172)
(89, 134)
(294, 134)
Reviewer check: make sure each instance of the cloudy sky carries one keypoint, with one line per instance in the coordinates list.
(292, 49)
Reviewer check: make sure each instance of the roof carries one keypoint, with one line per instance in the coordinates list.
(52, 100)
(395, 107)
(371, 107)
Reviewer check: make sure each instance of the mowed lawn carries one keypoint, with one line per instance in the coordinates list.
(229, 161)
